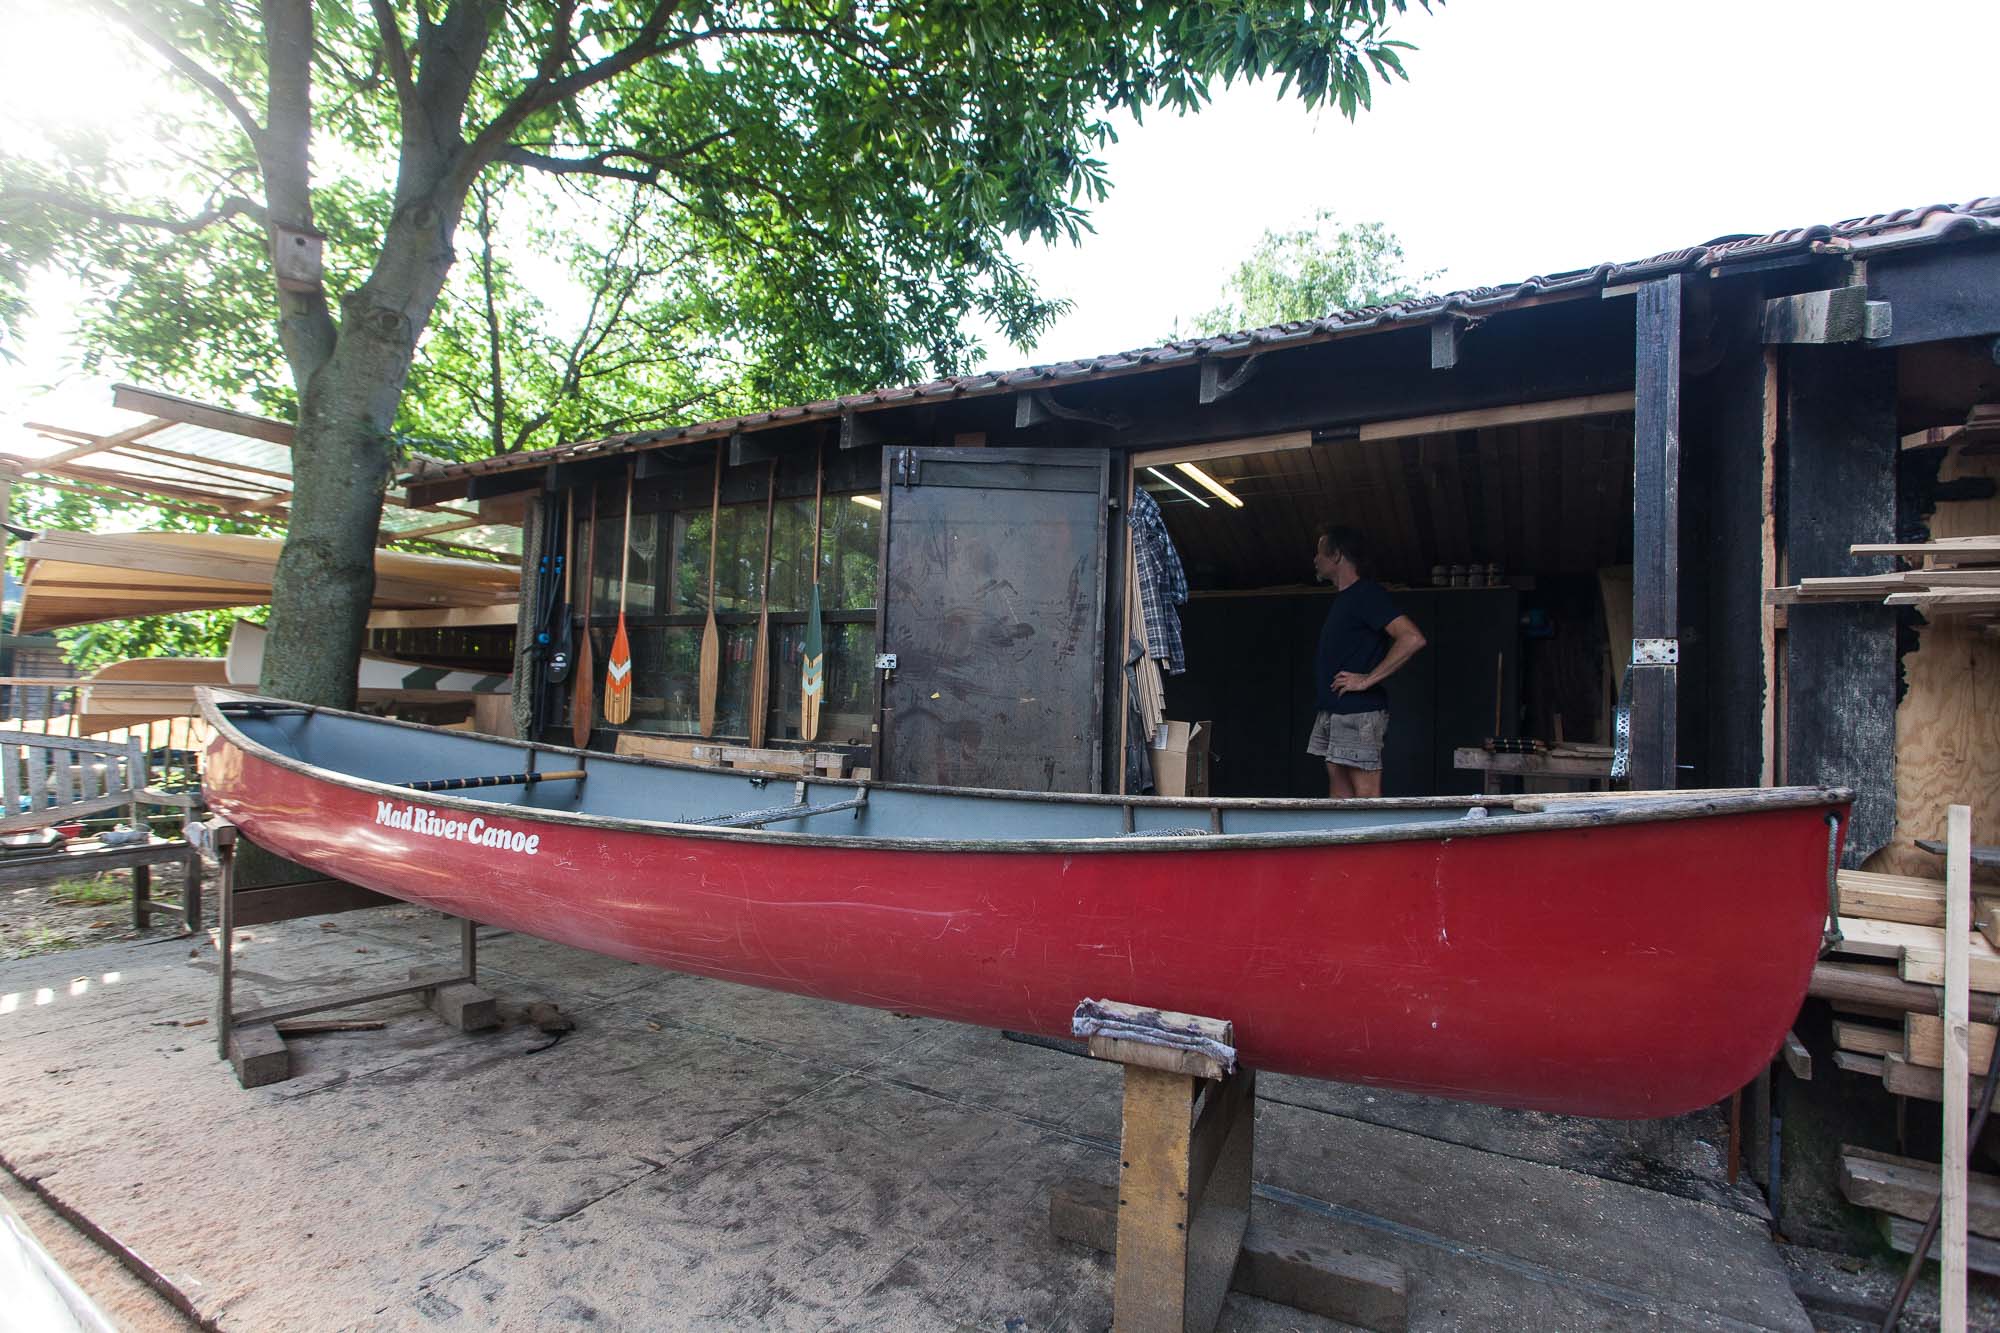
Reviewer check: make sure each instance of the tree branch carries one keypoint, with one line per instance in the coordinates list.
(599, 165)
(233, 206)
(190, 68)
(396, 56)
(545, 90)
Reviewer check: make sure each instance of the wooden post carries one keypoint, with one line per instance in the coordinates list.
(1957, 1063)
(1183, 1197)
(1656, 479)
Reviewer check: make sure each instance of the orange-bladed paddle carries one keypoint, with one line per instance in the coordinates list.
(618, 670)
(711, 636)
(812, 657)
(583, 702)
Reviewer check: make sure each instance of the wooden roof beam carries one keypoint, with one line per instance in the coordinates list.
(187, 412)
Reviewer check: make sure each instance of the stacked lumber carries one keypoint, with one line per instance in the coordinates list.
(1886, 981)
(1902, 1192)
(1955, 576)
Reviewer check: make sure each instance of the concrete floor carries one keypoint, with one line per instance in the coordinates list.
(700, 1155)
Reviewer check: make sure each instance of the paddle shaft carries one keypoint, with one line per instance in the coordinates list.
(583, 701)
(497, 780)
(560, 631)
(760, 657)
(711, 634)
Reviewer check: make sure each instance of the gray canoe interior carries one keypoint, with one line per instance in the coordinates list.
(621, 788)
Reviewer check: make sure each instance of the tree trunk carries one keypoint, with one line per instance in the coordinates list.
(343, 456)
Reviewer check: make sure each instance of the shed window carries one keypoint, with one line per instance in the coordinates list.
(666, 606)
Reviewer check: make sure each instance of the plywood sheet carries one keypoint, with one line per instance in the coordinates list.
(1948, 723)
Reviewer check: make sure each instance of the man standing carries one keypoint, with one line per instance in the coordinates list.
(1364, 641)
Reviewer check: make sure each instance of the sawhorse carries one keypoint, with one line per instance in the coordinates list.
(1180, 1220)
(250, 1038)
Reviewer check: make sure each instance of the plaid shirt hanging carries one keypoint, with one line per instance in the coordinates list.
(1162, 581)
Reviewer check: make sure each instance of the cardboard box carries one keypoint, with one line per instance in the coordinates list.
(1180, 759)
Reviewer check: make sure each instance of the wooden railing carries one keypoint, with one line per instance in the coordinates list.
(51, 706)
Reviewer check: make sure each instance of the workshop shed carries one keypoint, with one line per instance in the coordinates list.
(1594, 487)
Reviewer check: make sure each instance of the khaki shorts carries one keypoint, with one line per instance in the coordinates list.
(1352, 740)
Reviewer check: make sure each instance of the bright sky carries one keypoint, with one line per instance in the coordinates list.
(1542, 135)
(1532, 136)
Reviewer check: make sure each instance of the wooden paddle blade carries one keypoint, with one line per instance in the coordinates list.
(812, 672)
(583, 702)
(618, 678)
(760, 683)
(711, 671)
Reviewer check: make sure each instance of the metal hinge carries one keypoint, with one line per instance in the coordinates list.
(1656, 652)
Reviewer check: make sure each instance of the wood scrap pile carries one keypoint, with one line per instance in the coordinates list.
(1956, 576)
(1886, 981)
(1903, 1190)
(1886, 986)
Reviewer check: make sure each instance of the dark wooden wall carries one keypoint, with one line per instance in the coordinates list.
(1839, 445)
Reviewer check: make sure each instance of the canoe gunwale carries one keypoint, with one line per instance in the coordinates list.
(1640, 809)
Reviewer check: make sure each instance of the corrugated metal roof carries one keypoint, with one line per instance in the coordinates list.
(1878, 232)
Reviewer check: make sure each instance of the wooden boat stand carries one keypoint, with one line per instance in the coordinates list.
(250, 1038)
(1179, 1220)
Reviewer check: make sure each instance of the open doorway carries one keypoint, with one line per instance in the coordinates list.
(1505, 535)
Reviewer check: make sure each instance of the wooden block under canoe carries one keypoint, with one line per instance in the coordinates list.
(1907, 1187)
(1923, 1042)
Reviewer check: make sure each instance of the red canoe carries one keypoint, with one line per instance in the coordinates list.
(1636, 956)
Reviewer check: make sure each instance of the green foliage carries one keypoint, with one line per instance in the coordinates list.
(1309, 273)
(746, 202)
(791, 198)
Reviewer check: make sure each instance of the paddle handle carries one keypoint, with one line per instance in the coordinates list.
(497, 780)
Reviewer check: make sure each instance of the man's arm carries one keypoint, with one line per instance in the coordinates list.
(1404, 641)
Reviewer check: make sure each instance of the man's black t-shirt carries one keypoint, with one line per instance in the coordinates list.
(1354, 638)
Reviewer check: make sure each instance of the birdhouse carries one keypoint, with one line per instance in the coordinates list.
(296, 254)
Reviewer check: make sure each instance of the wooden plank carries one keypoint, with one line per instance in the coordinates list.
(1902, 1234)
(1856, 1063)
(1557, 409)
(1796, 1057)
(1888, 939)
(1201, 453)
(1923, 1042)
(1955, 1037)
(1906, 1187)
(1925, 964)
(1943, 548)
(1838, 315)
(1904, 1079)
(1867, 1038)
(171, 407)
(1905, 898)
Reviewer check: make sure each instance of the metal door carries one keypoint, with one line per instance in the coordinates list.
(992, 611)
